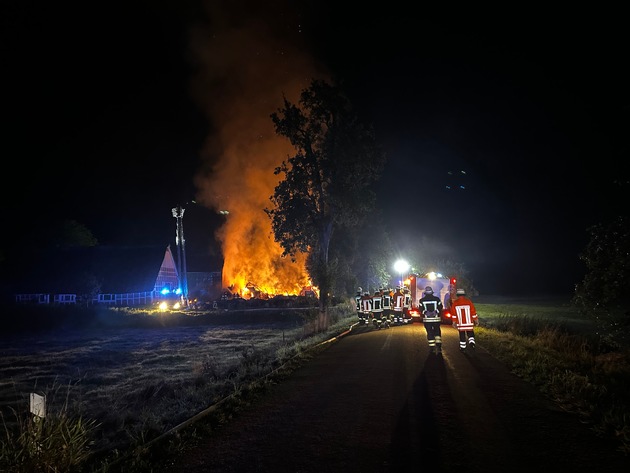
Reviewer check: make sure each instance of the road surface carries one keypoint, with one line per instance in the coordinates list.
(378, 401)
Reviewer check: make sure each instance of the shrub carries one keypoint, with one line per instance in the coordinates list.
(56, 443)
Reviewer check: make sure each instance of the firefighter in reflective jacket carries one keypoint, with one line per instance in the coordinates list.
(431, 309)
(407, 306)
(377, 309)
(464, 319)
(357, 300)
(366, 307)
(387, 305)
(398, 300)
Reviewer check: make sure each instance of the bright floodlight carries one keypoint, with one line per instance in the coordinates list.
(401, 266)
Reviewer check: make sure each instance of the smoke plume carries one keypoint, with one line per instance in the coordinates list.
(248, 59)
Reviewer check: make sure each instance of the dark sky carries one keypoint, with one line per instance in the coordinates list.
(105, 122)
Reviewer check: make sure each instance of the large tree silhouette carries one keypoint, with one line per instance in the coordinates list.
(327, 183)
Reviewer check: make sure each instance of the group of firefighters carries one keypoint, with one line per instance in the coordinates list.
(387, 307)
(384, 308)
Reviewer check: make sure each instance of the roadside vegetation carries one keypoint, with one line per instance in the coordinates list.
(561, 353)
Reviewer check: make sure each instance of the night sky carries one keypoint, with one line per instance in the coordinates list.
(504, 129)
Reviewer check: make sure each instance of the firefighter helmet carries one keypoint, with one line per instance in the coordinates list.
(360, 289)
(428, 290)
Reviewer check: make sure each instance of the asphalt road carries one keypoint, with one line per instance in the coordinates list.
(378, 401)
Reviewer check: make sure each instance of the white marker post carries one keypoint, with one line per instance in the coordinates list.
(38, 405)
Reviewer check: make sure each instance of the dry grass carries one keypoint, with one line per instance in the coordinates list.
(130, 387)
(138, 382)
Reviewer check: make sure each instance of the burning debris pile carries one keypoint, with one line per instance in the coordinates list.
(251, 291)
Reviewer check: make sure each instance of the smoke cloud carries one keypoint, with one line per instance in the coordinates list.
(249, 57)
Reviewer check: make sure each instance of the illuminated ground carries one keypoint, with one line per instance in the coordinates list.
(377, 401)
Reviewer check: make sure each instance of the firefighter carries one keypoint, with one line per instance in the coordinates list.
(387, 305)
(377, 309)
(431, 309)
(465, 319)
(366, 307)
(450, 295)
(357, 300)
(407, 306)
(398, 301)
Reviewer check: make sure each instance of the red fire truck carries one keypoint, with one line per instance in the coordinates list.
(442, 286)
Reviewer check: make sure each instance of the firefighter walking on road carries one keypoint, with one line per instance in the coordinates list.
(464, 319)
(366, 307)
(387, 306)
(357, 300)
(398, 300)
(377, 309)
(431, 309)
(407, 306)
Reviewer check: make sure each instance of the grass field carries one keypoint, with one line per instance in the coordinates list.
(139, 378)
(549, 344)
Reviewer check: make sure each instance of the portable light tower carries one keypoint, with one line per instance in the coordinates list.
(178, 213)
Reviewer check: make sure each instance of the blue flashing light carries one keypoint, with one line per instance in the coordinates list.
(165, 291)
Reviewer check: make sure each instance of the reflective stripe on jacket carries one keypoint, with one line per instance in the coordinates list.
(431, 308)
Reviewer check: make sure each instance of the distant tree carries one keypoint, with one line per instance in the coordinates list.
(428, 255)
(70, 233)
(603, 293)
(458, 270)
(344, 253)
(29, 246)
(54, 233)
(327, 183)
(375, 255)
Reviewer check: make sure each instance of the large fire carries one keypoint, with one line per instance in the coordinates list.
(249, 250)
(244, 74)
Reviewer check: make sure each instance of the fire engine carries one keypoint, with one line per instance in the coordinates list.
(442, 286)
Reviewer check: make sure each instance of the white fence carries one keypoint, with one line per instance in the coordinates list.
(125, 300)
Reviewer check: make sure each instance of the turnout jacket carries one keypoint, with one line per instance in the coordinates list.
(398, 301)
(431, 308)
(464, 314)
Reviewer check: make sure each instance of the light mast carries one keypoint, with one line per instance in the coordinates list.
(178, 213)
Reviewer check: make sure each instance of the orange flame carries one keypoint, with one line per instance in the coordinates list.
(249, 250)
(245, 72)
